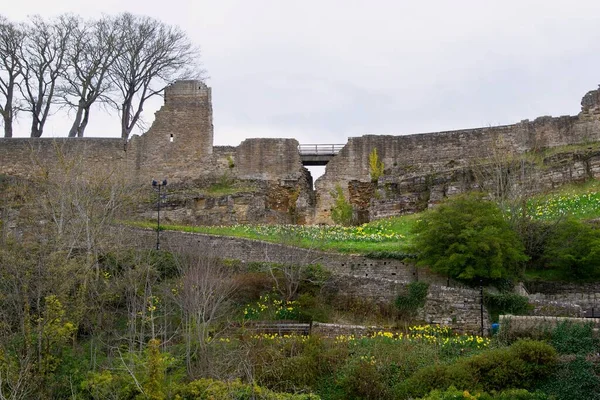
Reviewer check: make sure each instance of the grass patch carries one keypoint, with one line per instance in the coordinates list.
(579, 201)
(386, 235)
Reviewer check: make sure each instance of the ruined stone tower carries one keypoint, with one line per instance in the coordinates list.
(181, 137)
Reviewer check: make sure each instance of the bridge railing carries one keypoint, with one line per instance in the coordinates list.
(319, 149)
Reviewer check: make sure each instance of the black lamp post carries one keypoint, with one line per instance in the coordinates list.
(157, 186)
(481, 304)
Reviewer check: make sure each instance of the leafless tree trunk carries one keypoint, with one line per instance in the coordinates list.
(43, 58)
(92, 51)
(154, 55)
(11, 38)
(206, 288)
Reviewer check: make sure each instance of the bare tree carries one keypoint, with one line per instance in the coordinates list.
(93, 50)
(154, 56)
(206, 288)
(11, 38)
(43, 58)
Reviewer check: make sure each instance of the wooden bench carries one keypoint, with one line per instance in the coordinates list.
(281, 327)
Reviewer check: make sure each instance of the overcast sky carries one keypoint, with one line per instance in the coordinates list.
(321, 71)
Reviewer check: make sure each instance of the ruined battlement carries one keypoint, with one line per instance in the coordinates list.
(590, 104)
(188, 92)
(420, 169)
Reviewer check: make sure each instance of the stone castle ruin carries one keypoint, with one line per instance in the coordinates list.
(265, 181)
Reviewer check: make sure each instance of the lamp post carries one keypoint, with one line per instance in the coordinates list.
(157, 186)
(481, 304)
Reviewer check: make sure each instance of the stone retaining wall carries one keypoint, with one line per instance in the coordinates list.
(528, 325)
(248, 250)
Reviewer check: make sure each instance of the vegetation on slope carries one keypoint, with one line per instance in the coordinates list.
(384, 235)
(87, 314)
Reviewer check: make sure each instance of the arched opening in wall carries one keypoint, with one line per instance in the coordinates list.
(316, 171)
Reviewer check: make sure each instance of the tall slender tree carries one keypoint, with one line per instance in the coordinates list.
(11, 38)
(92, 51)
(44, 61)
(154, 55)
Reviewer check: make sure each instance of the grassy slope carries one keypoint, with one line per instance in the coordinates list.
(379, 236)
(389, 235)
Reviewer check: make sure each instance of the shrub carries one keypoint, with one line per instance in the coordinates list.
(376, 166)
(341, 212)
(467, 238)
(505, 303)
(520, 366)
(512, 394)
(574, 249)
(415, 299)
(574, 380)
(570, 338)
(209, 389)
(362, 379)
(250, 285)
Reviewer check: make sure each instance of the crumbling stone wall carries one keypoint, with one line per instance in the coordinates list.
(427, 167)
(180, 139)
(248, 250)
(420, 169)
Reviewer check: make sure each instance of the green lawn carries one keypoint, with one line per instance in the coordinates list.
(387, 235)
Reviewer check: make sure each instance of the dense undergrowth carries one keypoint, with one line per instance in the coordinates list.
(85, 313)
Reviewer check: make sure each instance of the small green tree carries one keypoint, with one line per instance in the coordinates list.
(341, 212)
(574, 249)
(375, 165)
(467, 238)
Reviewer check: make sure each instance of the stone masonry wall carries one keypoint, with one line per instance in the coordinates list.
(419, 169)
(586, 295)
(440, 152)
(248, 250)
(458, 308)
(268, 159)
(179, 144)
(528, 325)
(379, 281)
(25, 156)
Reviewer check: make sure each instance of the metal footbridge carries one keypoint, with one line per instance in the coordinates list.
(318, 154)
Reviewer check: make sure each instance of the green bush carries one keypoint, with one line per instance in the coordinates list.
(362, 379)
(467, 238)
(512, 394)
(209, 389)
(408, 304)
(574, 249)
(520, 366)
(574, 380)
(570, 338)
(341, 212)
(505, 303)
(376, 166)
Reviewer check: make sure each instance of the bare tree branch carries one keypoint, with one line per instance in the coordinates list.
(43, 57)
(92, 51)
(154, 56)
